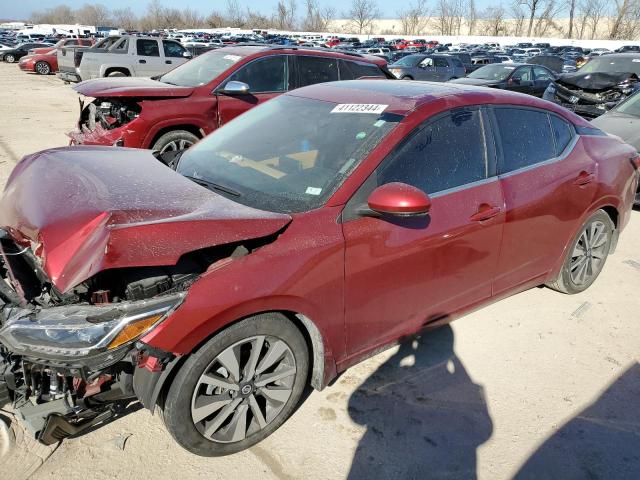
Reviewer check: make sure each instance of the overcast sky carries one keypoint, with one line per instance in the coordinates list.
(23, 8)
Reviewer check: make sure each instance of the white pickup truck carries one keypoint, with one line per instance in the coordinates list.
(126, 56)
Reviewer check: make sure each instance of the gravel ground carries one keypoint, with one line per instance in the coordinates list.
(541, 385)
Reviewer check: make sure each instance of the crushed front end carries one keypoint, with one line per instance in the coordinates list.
(106, 121)
(591, 95)
(70, 361)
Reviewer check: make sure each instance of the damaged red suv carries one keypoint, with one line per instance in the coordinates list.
(218, 282)
(175, 110)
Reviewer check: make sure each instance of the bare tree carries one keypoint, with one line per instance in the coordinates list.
(60, 14)
(215, 20)
(494, 20)
(472, 16)
(192, 18)
(590, 14)
(546, 21)
(124, 18)
(316, 19)
(572, 14)
(447, 16)
(285, 15)
(518, 17)
(234, 14)
(533, 7)
(93, 14)
(415, 18)
(625, 21)
(363, 14)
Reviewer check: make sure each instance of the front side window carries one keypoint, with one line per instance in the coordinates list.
(312, 70)
(268, 74)
(522, 74)
(447, 153)
(292, 168)
(172, 49)
(427, 62)
(525, 138)
(148, 48)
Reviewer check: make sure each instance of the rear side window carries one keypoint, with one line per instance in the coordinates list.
(267, 74)
(562, 132)
(456, 62)
(172, 49)
(440, 62)
(355, 70)
(148, 48)
(446, 153)
(525, 138)
(312, 70)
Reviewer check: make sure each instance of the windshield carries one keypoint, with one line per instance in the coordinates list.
(408, 61)
(201, 70)
(630, 106)
(492, 72)
(610, 64)
(287, 155)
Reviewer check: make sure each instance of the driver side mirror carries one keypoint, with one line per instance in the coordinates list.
(235, 88)
(399, 199)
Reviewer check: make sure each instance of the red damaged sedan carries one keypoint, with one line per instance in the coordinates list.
(217, 282)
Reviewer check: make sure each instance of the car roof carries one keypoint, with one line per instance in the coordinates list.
(247, 50)
(402, 97)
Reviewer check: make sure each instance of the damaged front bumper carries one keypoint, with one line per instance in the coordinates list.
(585, 104)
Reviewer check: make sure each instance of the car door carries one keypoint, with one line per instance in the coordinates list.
(267, 77)
(541, 80)
(426, 70)
(443, 71)
(148, 61)
(521, 80)
(174, 54)
(547, 180)
(403, 273)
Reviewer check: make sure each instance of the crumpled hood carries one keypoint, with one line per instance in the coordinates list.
(137, 87)
(595, 81)
(88, 209)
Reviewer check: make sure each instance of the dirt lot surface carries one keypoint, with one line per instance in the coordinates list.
(541, 385)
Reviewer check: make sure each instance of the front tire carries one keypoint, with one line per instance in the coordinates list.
(9, 58)
(239, 387)
(42, 68)
(586, 255)
(174, 141)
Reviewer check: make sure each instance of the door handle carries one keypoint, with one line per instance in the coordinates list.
(168, 62)
(583, 179)
(485, 212)
(142, 61)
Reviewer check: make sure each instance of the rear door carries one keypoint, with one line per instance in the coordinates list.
(403, 273)
(443, 71)
(149, 61)
(548, 182)
(267, 77)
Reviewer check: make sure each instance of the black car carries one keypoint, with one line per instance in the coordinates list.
(21, 50)
(517, 77)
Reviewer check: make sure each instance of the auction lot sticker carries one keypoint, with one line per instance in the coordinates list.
(359, 108)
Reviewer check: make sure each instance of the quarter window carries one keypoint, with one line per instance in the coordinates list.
(354, 70)
(312, 70)
(525, 138)
(446, 153)
(562, 132)
(148, 48)
(268, 74)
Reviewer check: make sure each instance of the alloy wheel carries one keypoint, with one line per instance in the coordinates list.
(244, 389)
(176, 145)
(10, 58)
(43, 68)
(589, 253)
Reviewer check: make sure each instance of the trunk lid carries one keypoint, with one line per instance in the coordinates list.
(87, 209)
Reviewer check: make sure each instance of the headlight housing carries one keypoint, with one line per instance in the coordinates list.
(79, 332)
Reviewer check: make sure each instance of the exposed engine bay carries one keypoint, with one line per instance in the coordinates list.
(590, 95)
(58, 369)
(102, 115)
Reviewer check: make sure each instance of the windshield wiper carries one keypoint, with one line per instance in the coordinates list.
(214, 186)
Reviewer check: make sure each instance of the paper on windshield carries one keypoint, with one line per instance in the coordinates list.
(359, 108)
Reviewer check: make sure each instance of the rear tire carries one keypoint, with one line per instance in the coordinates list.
(42, 68)
(174, 140)
(210, 419)
(586, 255)
(407, 78)
(117, 73)
(9, 58)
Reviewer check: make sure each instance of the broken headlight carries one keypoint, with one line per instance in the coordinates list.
(81, 331)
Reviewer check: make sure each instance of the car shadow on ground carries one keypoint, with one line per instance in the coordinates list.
(425, 417)
(601, 442)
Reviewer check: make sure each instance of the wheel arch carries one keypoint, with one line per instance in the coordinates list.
(108, 70)
(189, 127)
